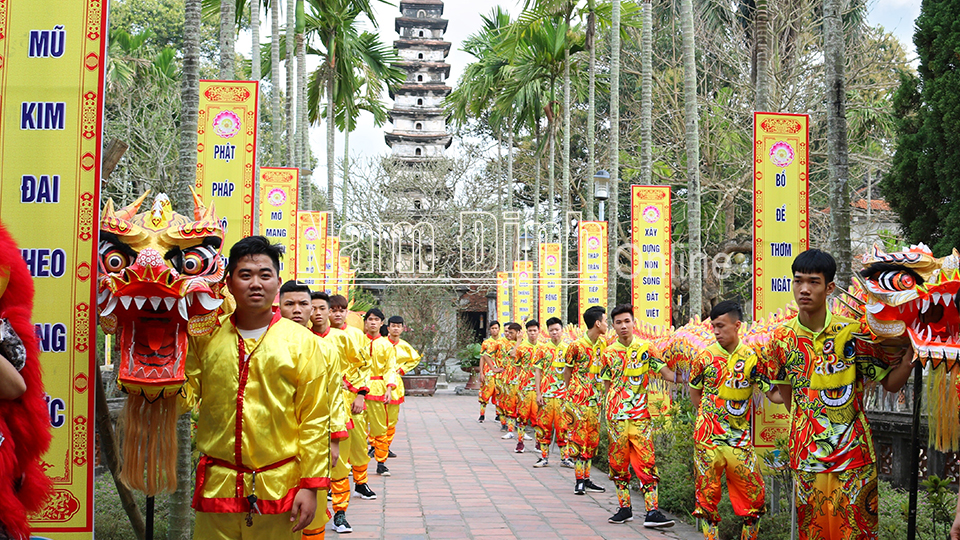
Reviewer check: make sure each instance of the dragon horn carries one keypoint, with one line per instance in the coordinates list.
(851, 308)
(199, 209)
(853, 297)
(127, 212)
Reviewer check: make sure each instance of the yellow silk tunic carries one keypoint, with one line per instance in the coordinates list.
(407, 359)
(284, 404)
(340, 346)
(383, 369)
(356, 372)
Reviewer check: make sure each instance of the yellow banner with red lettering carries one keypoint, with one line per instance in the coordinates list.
(504, 299)
(226, 153)
(652, 252)
(523, 291)
(549, 289)
(343, 276)
(311, 248)
(52, 57)
(332, 266)
(780, 206)
(592, 257)
(279, 189)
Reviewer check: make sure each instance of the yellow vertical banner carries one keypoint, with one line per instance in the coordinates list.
(780, 206)
(343, 276)
(279, 192)
(504, 299)
(332, 266)
(311, 248)
(549, 290)
(226, 153)
(523, 291)
(652, 252)
(592, 256)
(52, 57)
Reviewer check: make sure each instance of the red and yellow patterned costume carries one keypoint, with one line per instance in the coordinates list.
(553, 417)
(722, 435)
(527, 409)
(265, 419)
(489, 350)
(831, 445)
(629, 370)
(583, 356)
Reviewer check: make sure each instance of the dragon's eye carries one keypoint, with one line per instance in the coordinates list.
(896, 281)
(199, 260)
(114, 260)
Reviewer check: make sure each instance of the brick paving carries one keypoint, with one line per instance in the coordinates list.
(454, 478)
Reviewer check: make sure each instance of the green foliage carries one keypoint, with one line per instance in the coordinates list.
(469, 356)
(922, 187)
(112, 523)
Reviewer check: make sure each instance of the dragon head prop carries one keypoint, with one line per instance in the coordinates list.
(159, 275)
(912, 293)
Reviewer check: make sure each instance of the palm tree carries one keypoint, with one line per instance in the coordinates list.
(613, 219)
(591, 44)
(646, 95)
(228, 28)
(693, 155)
(291, 83)
(834, 57)
(302, 138)
(277, 119)
(255, 42)
(762, 99)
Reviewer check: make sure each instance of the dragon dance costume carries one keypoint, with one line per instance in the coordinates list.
(501, 390)
(584, 434)
(489, 349)
(722, 435)
(527, 409)
(355, 370)
(266, 404)
(629, 370)
(25, 421)
(553, 418)
(831, 445)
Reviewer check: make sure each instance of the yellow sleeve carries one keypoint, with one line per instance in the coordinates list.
(318, 397)
(191, 368)
(359, 358)
(409, 360)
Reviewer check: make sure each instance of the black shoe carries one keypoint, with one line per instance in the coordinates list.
(390, 454)
(371, 451)
(656, 520)
(578, 488)
(593, 487)
(503, 427)
(480, 420)
(340, 523)
(329, 495)
(382, 469)
(365, 492)
(496, 418)
(623, 515)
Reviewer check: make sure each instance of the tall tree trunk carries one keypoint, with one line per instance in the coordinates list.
(510, 161)
(692, 123)
(255, 41)
(537, 187)
(346, 175)
(551, 179)
(646, 95)
(834, 53)
(181, 524)
(565, 184)
(291, 137)
(303, 134)
(331, 133)
(276, 118)
(228, 29)
(613, 219)
(762, 99)
(591, 106)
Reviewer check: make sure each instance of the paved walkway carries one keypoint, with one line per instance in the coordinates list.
(455, 478)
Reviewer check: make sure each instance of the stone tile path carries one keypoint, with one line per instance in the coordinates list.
(454, 478)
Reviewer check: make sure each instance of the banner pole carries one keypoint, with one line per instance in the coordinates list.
(915, 453)
(149, 532)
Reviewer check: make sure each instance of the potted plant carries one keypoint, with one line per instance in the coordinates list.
(469, 357)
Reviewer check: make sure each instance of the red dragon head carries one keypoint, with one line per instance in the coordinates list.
(159, 275)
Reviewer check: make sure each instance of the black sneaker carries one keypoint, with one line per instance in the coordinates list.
(390, 454)
(496, 418)
(371, 451)
(503, 427)
(623, 515)
(656, 520)
(480, 420)
(593, 487)
(340, 523)
(365, 492)
(382, 469)
(578, 488)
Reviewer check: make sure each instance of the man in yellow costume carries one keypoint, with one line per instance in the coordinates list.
(551, 419)
(582, 360)
(406, 358)
(489, 369)
(383, 383)
(267, 392)
(821, 367)
(330, 312)
(627, 367)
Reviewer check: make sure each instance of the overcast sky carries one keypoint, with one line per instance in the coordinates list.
(896, 16)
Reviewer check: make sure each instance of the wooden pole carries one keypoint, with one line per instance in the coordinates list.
(915, 453)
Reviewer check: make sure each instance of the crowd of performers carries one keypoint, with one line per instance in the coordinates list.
(565, 389)
(313, 392)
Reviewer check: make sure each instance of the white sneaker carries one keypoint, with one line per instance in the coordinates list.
(527, 437)
(509, 435)
(541, 463)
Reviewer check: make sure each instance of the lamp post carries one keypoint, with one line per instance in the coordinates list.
(526, 244)
(601, 189)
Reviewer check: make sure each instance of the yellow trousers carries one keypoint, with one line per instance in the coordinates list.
(353, 454)
(381, 417)
(215, 526)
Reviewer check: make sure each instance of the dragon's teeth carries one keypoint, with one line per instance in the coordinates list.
(936, 298)
(155, 301)
(169, 301)
(190, 299)
(109, 308)
(209, 303)
(140, 301)
(182, 307)
(926, 305)
(102, 295)
(125, 300)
